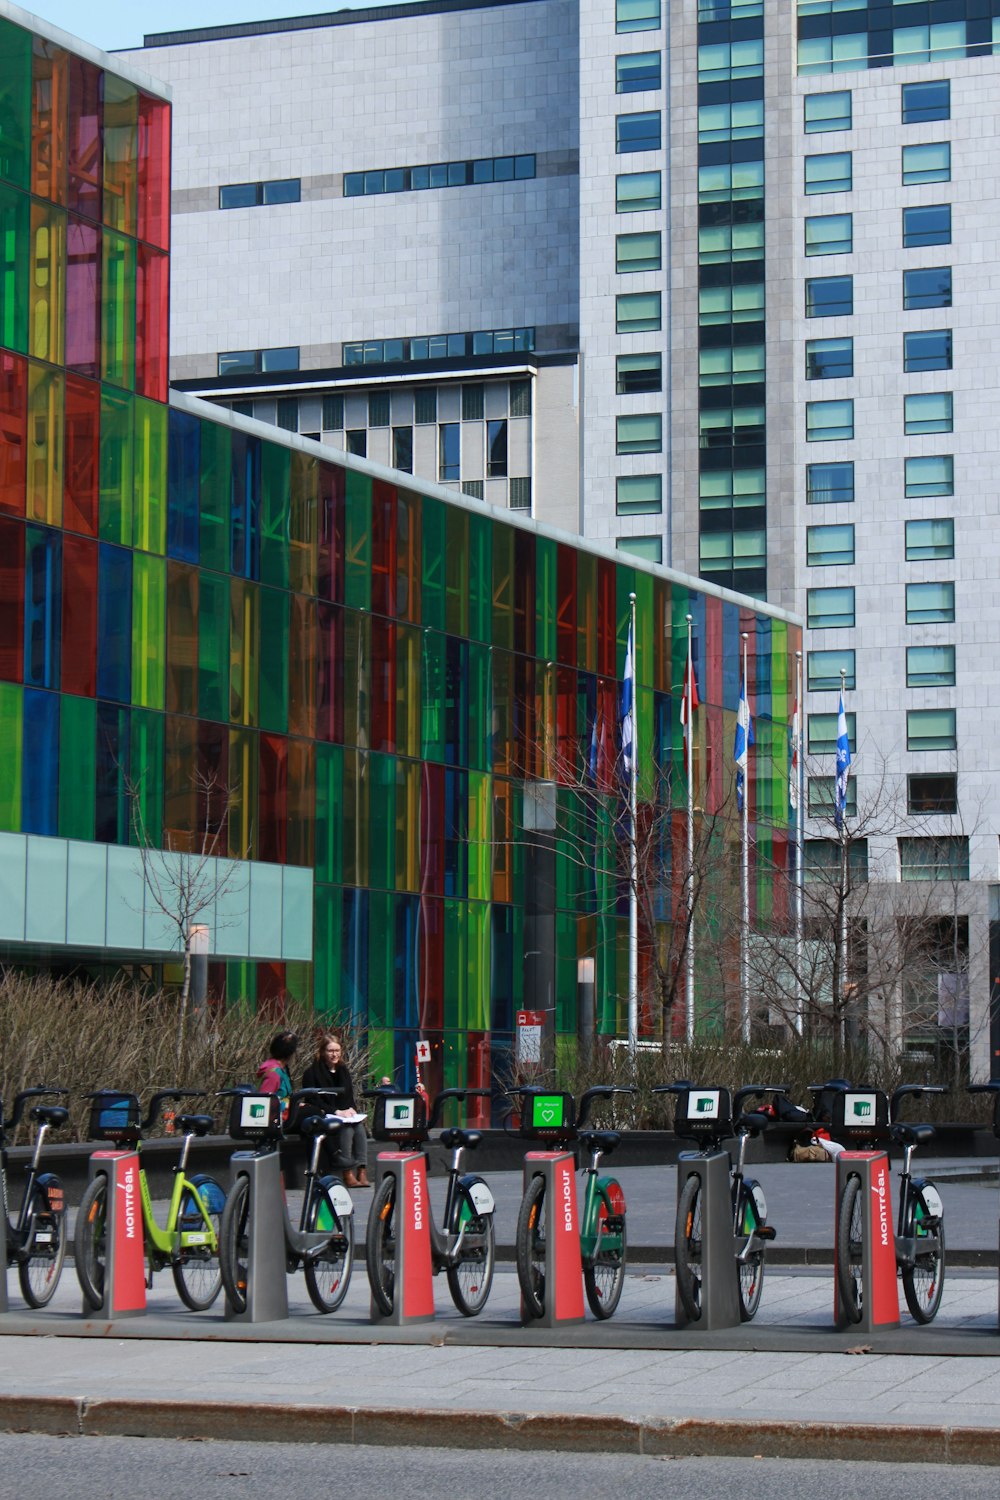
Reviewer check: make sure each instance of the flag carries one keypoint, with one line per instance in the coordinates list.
(742, 742)
(843, 765)
(592, 758)
(689, 702)
(628, 706)
(793, 764)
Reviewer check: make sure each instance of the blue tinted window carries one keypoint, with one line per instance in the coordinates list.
(114, 623)
(183, 477)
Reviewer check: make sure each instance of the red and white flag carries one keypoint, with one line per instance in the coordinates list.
(689, 702)
(793, 764)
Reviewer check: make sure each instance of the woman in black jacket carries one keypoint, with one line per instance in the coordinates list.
(328, 1070)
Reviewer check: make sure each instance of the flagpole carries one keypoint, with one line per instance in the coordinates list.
(799, 868)
(689, 951)
(745, 876)
(841, 801)
(633, 898)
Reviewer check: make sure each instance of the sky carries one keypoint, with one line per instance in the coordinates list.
(115, 24)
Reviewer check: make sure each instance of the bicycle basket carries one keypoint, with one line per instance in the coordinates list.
(114, 1116)
(859, 1113)
(704, 1112)
(548, 1117)
(254, 1117)
(399, 1117)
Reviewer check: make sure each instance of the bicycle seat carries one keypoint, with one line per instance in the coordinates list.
(753, 1123)
(50, 1114)
(454, 1137)
(912, 1135)
(195, 1124)
(599, 1140)
(313, 1125)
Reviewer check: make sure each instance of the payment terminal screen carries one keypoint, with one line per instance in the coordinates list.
(860, 1109)
(547, 1111)
(703, 1104)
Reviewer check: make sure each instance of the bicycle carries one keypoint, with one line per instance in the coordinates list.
(189, 1240)
(464, 1247)
(551, 1118)
(36, 1239)
(323, 1242)
(920, 1244)
(711, 1117)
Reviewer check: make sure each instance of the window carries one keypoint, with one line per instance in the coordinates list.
(442, 174)
(927, 288)
(827, 420)
(830, 173)
(823, 670)
(731, 552)
(930, 729)
(945, 858)
(822, 797)
(830, 609)
(520, 398)
(739, 365)
(638, 132)
(731, 489)
(731, 304)
(739, 121)
(829, 545)
(472, 403)
(519, 497)
(333, 413)
(930, 412)
(932, 794)
(449, 450)
(639, 494)
(729, 10)
(929, 476)
(637, 252)
(927, 226)
(636, 192)
(926, 101)
(473, 487)
(425, 405)
(640, 434)
(402, 449)
(287, 413)
(636, 72)
(930, 603)
(833, 54)
(731, 426)
(357, 442)
(730, 182)
(930, 666)
(829, 296)
(256, 361)
(824, 112)
(719, 61)
(439, 346)
(930, 163)
(378, 409)
(718, 243)
(821, 861)
(638, 374)
(496, 449)
(637, 15)
(829, 234)
(829, 359)
(649, 548)
(830, 484)
(929, 350)
(821, 732)
(637, 312)
(254, 194)
(930, 540)
(942, 41)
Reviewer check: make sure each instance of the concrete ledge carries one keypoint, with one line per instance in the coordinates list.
(525, 1431)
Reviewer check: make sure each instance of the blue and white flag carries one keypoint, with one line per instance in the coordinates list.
(843, 766)
(742, 742)
(628, 707)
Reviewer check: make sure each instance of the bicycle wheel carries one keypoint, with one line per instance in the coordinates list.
(529, 1248)
(45, 1243)
(329, 1275)
(923, 1282)
(90, 1241)
(603, 1281)
(469, 1281)
(850, 1251)
(196, 1272)
(751, 1270)
(380, 1245)
(233, 1250)
(687, 1248)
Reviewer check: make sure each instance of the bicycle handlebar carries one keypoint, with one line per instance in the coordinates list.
(751, 1090)
(157, 1100)
(598, 1091)
(21, 1099)
(993, 1087)
(679, 1087)
(905, 1090)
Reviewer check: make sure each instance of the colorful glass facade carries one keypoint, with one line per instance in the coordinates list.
(368, 672)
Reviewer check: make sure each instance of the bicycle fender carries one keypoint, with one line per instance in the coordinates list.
(930, 1195)
(50, 1186)
(210, 1192)
(612, 1195)
(477, 1195)
(338, 1195)
(756, 1193)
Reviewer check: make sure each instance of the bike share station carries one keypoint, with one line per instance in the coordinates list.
(549, 1117)
(398, 1119)
(117, 1118)
(256, 1119)
(857, 1116)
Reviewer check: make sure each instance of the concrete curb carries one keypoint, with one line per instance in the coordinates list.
(66, 1416)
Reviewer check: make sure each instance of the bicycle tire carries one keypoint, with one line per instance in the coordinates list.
(380, 1245)
(750, 1280)
(470, 1280)
(687, 1248)
(196, 1271)
(604, 1280)
(40, 1271)
(90, 1241)
(923, 1282)
(529, 1248)
(851, 1251)
(233, 1251)
(329, 1275)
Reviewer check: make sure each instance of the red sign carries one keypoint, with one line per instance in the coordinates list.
(413, 1224)
(126, 1264)
(563, 1268)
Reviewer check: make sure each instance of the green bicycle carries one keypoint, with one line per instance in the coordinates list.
(189, 1241)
